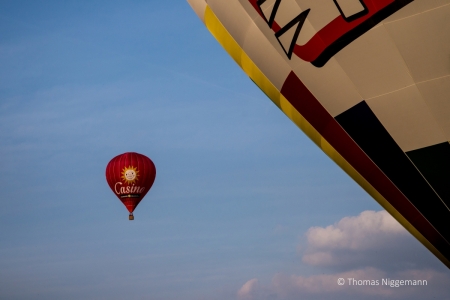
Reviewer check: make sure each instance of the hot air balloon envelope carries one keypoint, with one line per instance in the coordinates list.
(368, 81)
(130, 176)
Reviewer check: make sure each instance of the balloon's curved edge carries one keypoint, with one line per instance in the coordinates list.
(199, 7)
(243, 60)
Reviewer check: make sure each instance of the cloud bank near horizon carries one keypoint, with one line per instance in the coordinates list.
(372, 246)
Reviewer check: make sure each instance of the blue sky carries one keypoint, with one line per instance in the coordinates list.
(241, 196)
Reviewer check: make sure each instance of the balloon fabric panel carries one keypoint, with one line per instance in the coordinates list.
(434, 164)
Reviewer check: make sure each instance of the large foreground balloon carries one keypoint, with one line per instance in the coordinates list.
(368, 81)
(130, 176)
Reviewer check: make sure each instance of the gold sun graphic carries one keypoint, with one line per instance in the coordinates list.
(130, 174)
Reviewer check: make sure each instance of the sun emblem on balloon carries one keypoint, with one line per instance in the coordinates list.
(130, 174)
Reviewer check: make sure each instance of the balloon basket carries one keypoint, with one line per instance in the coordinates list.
(131, 217)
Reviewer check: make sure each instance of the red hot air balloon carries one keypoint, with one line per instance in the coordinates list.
(130, 176)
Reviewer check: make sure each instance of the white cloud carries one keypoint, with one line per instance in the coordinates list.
(371, 246)
(248, 289)
(355, 233)
(372, 239)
